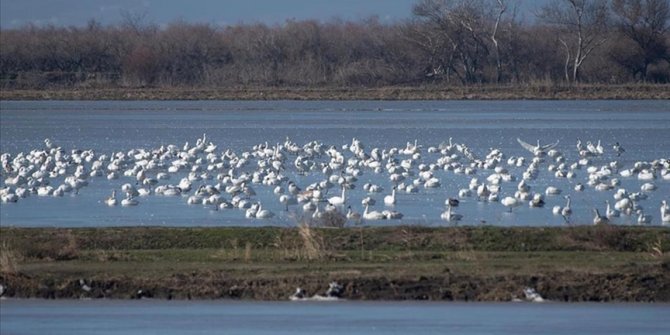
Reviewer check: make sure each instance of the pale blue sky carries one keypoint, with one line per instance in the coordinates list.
(16, 13)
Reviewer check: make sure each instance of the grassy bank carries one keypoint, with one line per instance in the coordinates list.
(457, 263)
(635, 91)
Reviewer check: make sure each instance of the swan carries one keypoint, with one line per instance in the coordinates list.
(449, 216)
(510, 202)
(642, 218)
(317, 213)
(287, 200)
(264, 213)
(130, 190)
(623, 204)
(250, 212)
(483, 192)
(368, 201)
(309, 207)
(556, 210)
(464, 193)
(537, 150)
(599, 148)
(523, 186)
(338, 201)
(567, 210)
(390, 200)
(353, 216)
(648, 187)
(599, 219)
(129, 201)
(374, 215)
(646, 175)
(9, 197)
(171, 191)
(611, 212)
(45, 190)
(432, 183)
(111, 201)
(665, 212)
(392, 215)
(552, 190)
(453, 202)
(537, 200)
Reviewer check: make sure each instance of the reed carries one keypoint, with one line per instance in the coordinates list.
(9, 259)
(312, 242)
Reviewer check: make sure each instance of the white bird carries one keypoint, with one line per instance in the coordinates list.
(337, 201)
(129, 201)
(390, 200)
(392, 215)
(263, 213)
(567, 210)
(287, 200)
(611, 212)
(483, 192)
(552, 190)
(374, 215)
(368, 201)
(642, 218)
(665, 212)
(111, 201)
(353, 216)
(537, 201)
(599, 219)
(449, 216)
(537, 150)
(510, 202)
(556, 210)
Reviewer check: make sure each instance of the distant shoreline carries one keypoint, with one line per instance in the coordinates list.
(571, 264)
(579, 92)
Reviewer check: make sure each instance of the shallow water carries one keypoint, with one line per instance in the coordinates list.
(108, 126)
(227, 317)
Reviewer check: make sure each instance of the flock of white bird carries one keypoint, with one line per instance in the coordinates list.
(225, 179)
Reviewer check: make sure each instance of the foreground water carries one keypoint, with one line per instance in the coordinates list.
(214, 317)
(111, 126)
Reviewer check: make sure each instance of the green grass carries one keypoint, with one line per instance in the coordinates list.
(396, 251)
(406, 262)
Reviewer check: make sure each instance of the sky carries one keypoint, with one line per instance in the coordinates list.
(17, 13)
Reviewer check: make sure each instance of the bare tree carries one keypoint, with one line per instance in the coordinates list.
(645, 23)
(502, 7)
(458, 29)
(583, 25)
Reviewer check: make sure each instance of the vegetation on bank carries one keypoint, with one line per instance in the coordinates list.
(581, 263)
(445, 43)
(57, 243)
(430, 92)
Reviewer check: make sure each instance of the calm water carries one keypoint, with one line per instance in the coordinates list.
(110, 126)
(218, 317)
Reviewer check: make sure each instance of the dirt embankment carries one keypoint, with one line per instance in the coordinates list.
(651, 286)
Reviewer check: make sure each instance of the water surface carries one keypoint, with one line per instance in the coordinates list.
(226, 317)
(111, 126)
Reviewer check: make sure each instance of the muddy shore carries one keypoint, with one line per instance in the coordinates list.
(395, 263)
(568, 286)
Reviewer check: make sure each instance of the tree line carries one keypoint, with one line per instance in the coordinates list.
(449, 42)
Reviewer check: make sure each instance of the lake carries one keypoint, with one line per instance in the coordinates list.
(341, 317)
(107, 127)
